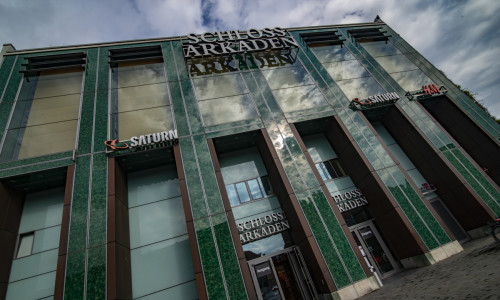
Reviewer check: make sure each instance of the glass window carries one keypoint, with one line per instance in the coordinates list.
(287, 77)
(349, 74)
(248, 190)
(160, 255)
(45, 116)
(223, 99)
(227, 109)
(332, 53)
(299, 98)
(401, 69)
(293, 87)
(330, 169)
(140, 100)
(233, 196)
(381, 48)
(219, 86)
(255, 188)
(32, 275)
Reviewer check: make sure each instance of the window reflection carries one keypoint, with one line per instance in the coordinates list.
(360, 87)
(349, 74)
(223, 99)
(139, 92)
(248, 190)
(399, 67)
(292, 86)
(299, 98)
(219, 86)
(46, 114)
(226, 110)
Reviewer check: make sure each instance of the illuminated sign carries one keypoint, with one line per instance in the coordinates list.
(350, 200)
(262, 227)
(235, 41)
(162, 138)
(427, 91)
(374, 101)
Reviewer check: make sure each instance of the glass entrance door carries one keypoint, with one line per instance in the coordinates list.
(282, 276)
(366, 235)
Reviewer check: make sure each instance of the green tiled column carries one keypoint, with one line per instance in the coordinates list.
(422, 220)
(332, 242)
(221, 269)
(439, 139)
(86, 266)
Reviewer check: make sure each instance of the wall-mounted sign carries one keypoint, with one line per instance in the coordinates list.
(374, 101)
(262, 227)
(162, 138)
(350, 200)
(235, 41)
(427, 91)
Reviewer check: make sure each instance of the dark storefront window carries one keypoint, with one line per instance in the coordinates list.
(33, 272)
(160, 255)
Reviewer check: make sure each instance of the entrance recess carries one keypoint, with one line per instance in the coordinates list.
(366, 235)
(282, 275)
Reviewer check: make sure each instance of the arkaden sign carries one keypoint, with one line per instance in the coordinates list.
(262, 227)
(235, 41)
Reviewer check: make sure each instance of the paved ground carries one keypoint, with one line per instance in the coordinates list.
(472, 274)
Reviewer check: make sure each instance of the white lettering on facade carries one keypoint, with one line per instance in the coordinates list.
(350, 200)
(262, 227)
(153, 138)
(225, 42)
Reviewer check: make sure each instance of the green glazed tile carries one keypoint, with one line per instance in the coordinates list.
(191, 107)
(86, 123)
(96, 273)
(168, 59)
(75, 276)
(5, 71)
(98, 204)
(90, 70)
(101, 121)
(79, 205)
(208, 175)
(232, 273)
(397, 191)
(209, 259)
(344, 248)
(179, 109)
(195, 192)
(180, 62)
(333, 262)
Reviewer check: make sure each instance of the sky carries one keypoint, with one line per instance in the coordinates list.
(461, 38)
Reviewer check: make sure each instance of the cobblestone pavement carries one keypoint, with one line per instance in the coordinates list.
(471, 274)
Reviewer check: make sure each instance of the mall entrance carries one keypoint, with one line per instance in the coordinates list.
(282, 275)
(374, 249)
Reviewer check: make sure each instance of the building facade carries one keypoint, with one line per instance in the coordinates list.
(299, 163)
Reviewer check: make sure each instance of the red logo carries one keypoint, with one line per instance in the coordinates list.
(365, 102)
(112, 144)
(431, 89)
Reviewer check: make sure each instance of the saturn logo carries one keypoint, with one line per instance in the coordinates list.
(112, 144)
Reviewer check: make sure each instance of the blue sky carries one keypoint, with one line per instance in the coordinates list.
(461, 38)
